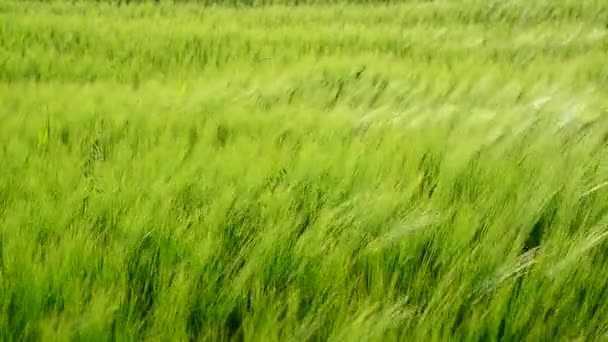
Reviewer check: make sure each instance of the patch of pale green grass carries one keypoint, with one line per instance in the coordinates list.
(423, 171)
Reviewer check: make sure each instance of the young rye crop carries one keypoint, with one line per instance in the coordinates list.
(417, 171)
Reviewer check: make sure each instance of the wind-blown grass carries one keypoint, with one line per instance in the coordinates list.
(422, 171)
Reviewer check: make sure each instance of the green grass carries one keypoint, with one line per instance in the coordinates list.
(423, 171)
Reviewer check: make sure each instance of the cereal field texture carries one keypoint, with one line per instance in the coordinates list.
(304, 170)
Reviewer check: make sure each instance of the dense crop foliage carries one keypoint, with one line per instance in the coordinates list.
(431, 170)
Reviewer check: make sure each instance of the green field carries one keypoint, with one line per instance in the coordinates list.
(259, 171)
